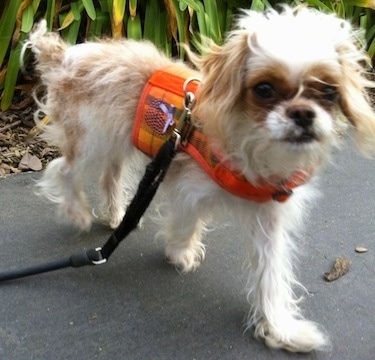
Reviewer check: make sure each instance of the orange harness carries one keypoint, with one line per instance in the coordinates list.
(161, 105)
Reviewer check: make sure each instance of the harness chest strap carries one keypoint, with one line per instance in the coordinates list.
(160, 107)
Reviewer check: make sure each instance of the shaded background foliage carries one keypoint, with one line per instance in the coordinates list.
(166, 23)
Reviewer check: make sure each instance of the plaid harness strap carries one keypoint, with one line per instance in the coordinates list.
(160, 107)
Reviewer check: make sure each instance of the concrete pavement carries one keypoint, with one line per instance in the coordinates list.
(138, 307)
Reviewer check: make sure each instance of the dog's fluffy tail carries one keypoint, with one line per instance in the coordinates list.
(48, 47)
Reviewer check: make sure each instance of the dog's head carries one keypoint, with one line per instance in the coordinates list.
(276, 95)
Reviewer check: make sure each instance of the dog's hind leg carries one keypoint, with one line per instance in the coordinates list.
(113, 194)
(61, 183)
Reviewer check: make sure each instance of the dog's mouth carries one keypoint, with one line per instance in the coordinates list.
(306, 137)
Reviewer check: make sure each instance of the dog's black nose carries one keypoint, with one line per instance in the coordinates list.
(301, 115)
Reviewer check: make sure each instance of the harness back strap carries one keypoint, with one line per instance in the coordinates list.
(160, 107)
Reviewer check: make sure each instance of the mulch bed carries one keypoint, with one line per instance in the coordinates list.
(18, 150)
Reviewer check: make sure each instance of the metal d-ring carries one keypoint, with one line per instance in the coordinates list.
(189, 97)
(188, 81)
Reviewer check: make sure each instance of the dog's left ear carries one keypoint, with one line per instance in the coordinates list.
(357, 107)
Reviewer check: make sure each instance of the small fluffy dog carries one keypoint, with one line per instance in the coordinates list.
(274, 98)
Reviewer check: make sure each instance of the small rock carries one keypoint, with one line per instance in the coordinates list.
(361, 249)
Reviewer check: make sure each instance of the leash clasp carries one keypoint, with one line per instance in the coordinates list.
(185, 126)
(176, 138)
(181, 133)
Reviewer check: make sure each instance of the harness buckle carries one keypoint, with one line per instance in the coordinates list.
(282, 195)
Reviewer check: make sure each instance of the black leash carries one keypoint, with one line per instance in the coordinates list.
(154, 175)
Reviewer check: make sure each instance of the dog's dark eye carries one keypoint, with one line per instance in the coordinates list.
(264, 91)
(330, 93)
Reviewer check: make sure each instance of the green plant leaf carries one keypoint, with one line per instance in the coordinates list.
(99, 26)
(27, 19)
(36, 4)
(90, 8)
(371, 49)
(198, 7)
(118, 11)
(50, 13)
(257, 5)
(152, 20)
(132, 8)
(181, 18)
(7, 25)
(134, 29)
(73, 31)
(212, 20)
(12, 74)
(67, 20)
(76, 9)
(104, 6)
(320, 5)
(361, 3)
(182, 6)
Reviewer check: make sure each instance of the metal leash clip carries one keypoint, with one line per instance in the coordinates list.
(181, 133)
(185, 126)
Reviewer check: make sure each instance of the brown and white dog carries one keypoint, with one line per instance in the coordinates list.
(274, 98)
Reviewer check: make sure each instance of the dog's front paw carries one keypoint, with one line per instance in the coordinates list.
(186, 259)
(295, 336)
